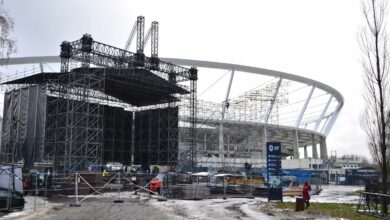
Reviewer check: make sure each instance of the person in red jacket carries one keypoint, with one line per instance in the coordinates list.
(26, 186)
(305, 193)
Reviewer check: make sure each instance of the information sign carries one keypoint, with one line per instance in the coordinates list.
(274, 171)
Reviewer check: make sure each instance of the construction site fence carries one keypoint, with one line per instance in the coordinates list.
(77, 188)
(46, 189)
(372, 204)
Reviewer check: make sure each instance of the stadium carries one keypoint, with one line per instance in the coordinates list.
(105, 104)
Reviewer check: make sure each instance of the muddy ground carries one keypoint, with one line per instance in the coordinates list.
(100, 208)
(144, 206)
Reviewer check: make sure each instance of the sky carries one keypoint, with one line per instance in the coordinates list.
(314, 39)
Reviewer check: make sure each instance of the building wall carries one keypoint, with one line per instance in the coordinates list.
(302, 164)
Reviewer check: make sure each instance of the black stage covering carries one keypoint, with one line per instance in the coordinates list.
(156, 136)
(138, 87)
(117, 135)
(23, 131)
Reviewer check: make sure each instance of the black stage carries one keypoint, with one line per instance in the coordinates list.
(155, 139)
(138, 87)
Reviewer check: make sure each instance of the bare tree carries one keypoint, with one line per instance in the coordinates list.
(7, 44)
(374, 45)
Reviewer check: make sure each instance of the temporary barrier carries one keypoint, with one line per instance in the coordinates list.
(372, 203)
(187, 191)
(95, 191)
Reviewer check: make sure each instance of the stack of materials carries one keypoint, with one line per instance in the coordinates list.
(187, 191)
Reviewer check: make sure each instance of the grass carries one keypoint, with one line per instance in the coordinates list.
(335, 210)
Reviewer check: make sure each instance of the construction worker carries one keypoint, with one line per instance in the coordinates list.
(133, 169)
(104, 173)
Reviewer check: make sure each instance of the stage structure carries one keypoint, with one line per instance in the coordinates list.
(105, 105)
(170, 124)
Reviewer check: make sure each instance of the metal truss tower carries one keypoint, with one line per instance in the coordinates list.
(76, 134)
(76, 129)
(193, 114)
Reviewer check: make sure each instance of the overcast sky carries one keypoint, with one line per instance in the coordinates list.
(314, 39)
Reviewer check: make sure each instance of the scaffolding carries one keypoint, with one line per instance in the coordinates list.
(95, 76)
(243, 125)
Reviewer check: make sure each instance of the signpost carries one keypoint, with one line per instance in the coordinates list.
(274, 171)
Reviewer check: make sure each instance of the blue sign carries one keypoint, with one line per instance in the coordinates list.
(274, 171)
